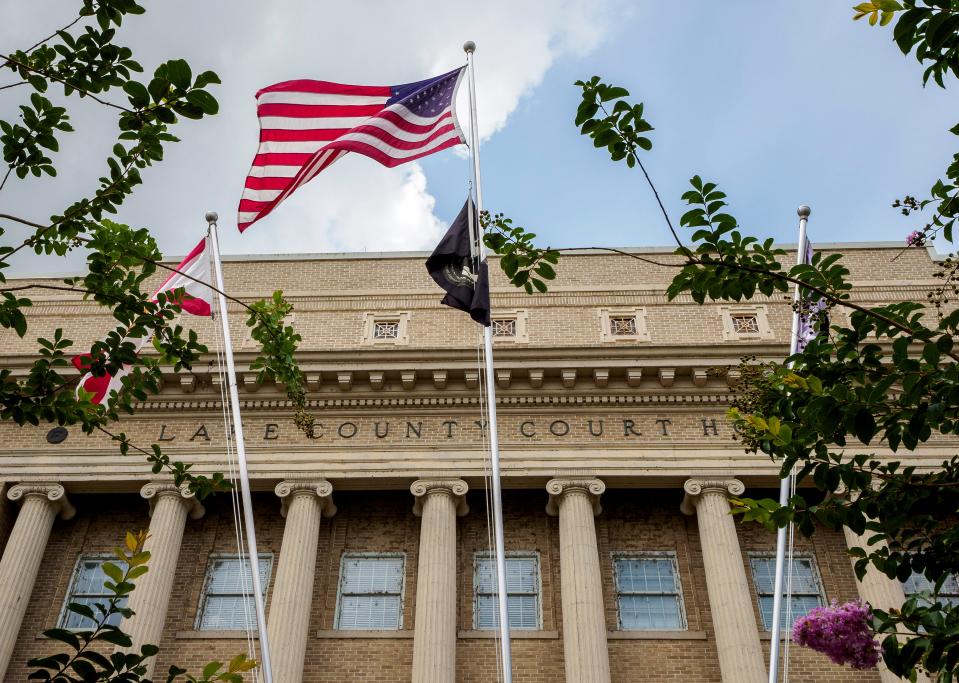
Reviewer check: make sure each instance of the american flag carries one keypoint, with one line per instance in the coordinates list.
(307, 125)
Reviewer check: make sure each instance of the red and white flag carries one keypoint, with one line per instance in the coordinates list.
(197, 299)
(306, 125)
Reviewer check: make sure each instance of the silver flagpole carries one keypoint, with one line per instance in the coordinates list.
(265, 667)
(786, 483)
(469, 47)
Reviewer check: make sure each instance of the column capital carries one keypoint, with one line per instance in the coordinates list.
(454, 488)
(54, 494)
(155, 490)
(696, 487)
(559, 487)
(288, 489)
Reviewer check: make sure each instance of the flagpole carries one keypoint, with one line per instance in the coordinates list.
(785, 484)
(477, 246)
(244, 475)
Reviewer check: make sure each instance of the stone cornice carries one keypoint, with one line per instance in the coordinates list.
(455, 488)
(696, 487)
(54, 494)
(320, 488)
(155, 490)
(561, 486)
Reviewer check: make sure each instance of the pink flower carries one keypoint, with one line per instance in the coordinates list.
(915, 239)
(843, 633)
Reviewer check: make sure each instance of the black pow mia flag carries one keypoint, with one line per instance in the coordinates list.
(453, 269)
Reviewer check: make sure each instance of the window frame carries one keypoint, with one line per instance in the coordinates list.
(344, 557)
(518, 554)
(402, 320)
(677, 581)
(208, 578)
(638, 315)
(768, 555)
(71, 594)
(943, 597)
(520, 318)
(760, 312)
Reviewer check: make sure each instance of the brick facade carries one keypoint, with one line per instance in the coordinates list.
(643, 416)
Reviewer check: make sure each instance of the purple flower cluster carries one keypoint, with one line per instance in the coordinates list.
(915, 239)
(843, 633)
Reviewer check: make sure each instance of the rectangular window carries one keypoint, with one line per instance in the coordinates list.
(806, 587)
(917, 583)
(622, 325)
(522, 592)
(648, 593)
(86, 588)
(504, 327)
(745, 323)
(227, 602)
(371, 593)
(386, 329)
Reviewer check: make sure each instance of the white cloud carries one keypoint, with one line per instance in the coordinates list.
(356, 204)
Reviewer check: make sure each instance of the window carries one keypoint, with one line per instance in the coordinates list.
(917, 583)
(227, 602)
(647, 592)
(623, 325)
(371, 593)
(386, 329)
(86, 588)
(619, 325)
(522, 592)
(504, 327)
(806, 587)
(745, 323)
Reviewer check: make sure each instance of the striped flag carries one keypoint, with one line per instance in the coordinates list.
(307, 125)
(196, 299)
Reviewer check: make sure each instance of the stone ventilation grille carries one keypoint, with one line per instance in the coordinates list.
(622, 325)
(504, 327)
(745, 323)
(386, 329)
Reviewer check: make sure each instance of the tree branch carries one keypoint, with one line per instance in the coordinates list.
(87, 93)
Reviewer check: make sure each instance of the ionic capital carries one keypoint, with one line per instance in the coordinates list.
(156, 490)
(696, 488)
(53, 494)
(454, 488)
(561, 487)
(289, 489)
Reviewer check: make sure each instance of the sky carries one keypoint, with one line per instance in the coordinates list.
(779, 104)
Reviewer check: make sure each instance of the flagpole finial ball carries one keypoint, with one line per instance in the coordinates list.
(212, 217)
(469, 46)
(803, 211)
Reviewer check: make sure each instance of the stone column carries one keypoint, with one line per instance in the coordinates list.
(288, 625)
(438, 502)
(585, 651)
(730, 601)
(879, 591)
(23, 556)
(169, 507)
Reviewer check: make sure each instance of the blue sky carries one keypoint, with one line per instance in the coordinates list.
(779, 104)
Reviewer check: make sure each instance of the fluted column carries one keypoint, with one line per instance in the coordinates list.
(585, 652)
(734, 622)
(879, 591)
(169, 507)
(304, 503)
(438, 502)
(23, 556)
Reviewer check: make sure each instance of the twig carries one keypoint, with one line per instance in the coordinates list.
(52, 77)
(12, 85)
(23, 220)
(41, 42)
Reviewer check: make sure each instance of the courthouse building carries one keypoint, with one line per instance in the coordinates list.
(624, 563)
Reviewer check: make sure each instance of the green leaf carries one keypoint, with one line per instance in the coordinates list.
(204, 100)
(178, 71)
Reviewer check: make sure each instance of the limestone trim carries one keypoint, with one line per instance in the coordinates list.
(153, 491)
(695, 488)
(288, 489)
(561, 486)
(54, 493)
(455, 488)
